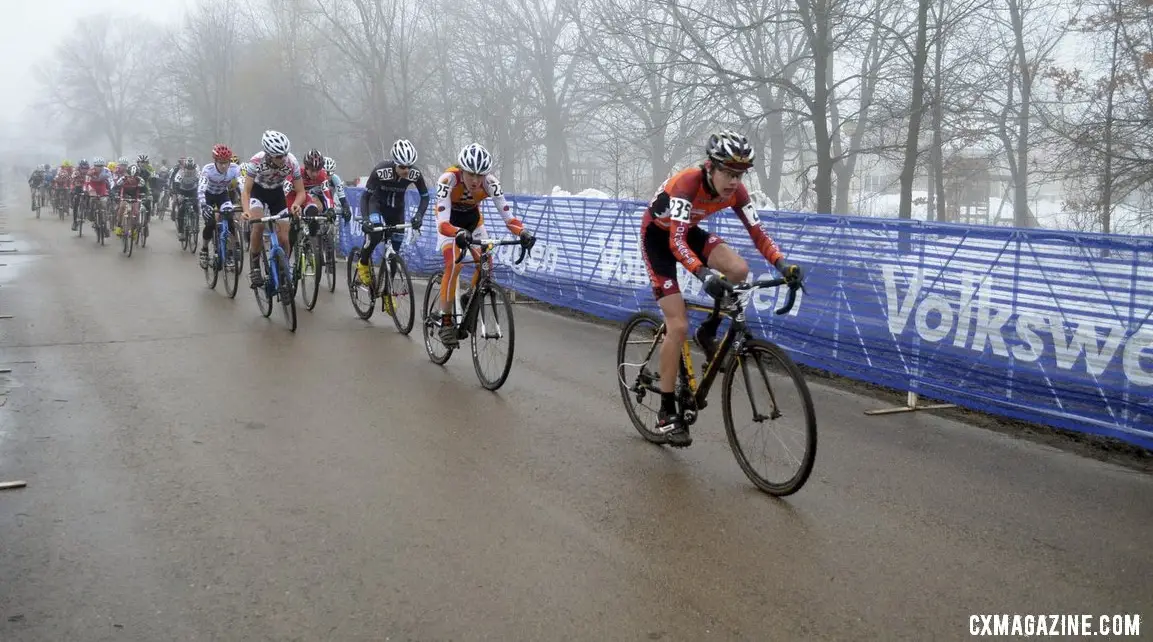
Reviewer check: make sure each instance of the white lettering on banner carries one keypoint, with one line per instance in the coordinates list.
(543, 258)
(620, 260)
(1072, 336)
(1140, 342)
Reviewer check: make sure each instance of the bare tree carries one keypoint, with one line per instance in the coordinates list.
(99, 78)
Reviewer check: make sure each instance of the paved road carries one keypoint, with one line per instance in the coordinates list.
(198, 473)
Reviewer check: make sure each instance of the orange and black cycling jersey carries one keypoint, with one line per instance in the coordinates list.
(457, 207)
(686, 199)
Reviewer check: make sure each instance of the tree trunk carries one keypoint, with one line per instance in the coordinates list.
(1021, 179)
(937, 187)
(916, 110)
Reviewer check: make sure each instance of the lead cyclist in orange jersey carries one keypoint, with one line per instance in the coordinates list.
(669, 234)
(458, 195)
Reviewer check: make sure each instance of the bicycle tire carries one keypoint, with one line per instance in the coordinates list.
(356, 290)
(330, 262)
(125, 241)
(263, 293)
(144, 235)
(645, 378)
(231, 285)
(431, 329)
(794, 483)
(100, 235)
(287, 304)
(400, 269)
(131, 239)
(194, 234)
(309, 248)
(499, 298)
(212, 270)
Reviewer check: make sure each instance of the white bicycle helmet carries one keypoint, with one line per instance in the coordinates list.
(99, 162)
(329, 164)
(475, 159)
(123, 160)
(404, 153)
(274, 143)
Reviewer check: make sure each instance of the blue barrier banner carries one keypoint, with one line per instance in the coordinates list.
(1038, 325)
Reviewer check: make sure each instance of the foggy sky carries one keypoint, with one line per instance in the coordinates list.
(32, 29)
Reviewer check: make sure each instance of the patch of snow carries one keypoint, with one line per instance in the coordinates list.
(593, 193)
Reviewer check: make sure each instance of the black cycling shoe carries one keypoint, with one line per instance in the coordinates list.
(257, 278)
(673, 427)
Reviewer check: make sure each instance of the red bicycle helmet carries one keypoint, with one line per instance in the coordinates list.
(221, 153)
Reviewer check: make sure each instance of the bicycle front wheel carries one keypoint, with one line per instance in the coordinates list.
(212, 269)
(233, 262)
(493, 327)
(309, 273)
(362, 296)
(768, 412)
(264, 293)
(401, 307)
(330, 262)
(287, 297)
(438, 353)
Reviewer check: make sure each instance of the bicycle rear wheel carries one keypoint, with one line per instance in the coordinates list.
(403, 310)
(638, 372)
(783, 405)
(438, 353)
(487, 333)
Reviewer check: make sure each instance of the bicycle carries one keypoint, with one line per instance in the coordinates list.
(274, 265)
(308, 259)
(190, 233)
(397, 285)
(225, 254)
(736, 350)
(328, 247)
(96, 209)
(131, 229)
(475, 314)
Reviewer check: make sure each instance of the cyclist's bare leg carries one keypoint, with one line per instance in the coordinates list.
(282, 229)
(676, 332)
(724, 260)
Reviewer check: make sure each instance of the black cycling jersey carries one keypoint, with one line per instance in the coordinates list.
(385, 190)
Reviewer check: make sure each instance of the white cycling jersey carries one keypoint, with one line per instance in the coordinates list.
(212, 181)
(267, 175)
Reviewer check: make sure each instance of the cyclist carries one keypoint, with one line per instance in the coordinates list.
(133, 185)
(35, 180)
(383, 196)
(185, 184)
(99, 184)
(144, 171)
(263, 188)
(79, 179)
(217, 189)
(318, 197)
(336, 185)
(670, 233)
(458, 195)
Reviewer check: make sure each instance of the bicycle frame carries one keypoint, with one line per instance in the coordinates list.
(273, 250)
(731, 306)
(388, 231)
(470, 314)
(222, 232)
